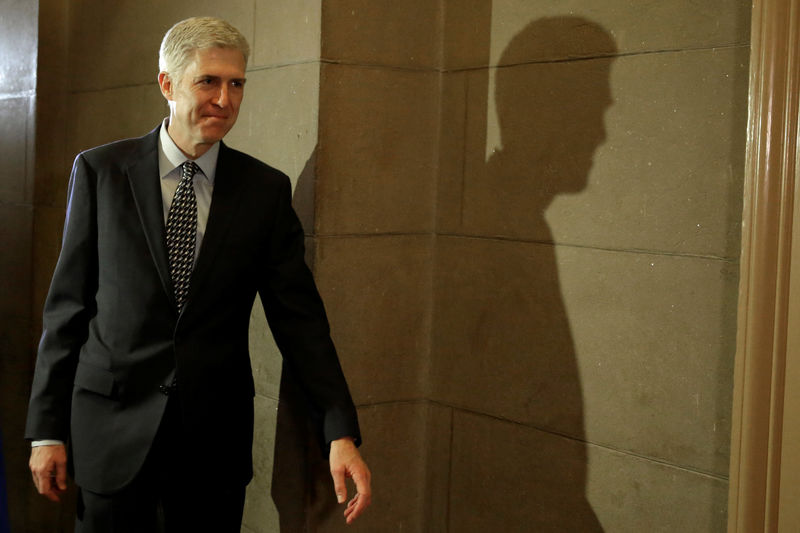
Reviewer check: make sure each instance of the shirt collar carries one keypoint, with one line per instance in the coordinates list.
(171, 157)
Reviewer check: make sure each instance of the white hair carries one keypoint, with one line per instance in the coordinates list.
(197, 33)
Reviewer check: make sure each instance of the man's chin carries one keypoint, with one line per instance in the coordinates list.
(212, 135)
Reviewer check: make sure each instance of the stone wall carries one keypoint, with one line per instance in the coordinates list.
(18, 40)
(586, 265)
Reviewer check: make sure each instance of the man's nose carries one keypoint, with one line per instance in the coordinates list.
(222, 96)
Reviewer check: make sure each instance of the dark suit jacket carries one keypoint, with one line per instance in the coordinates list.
(112, 335)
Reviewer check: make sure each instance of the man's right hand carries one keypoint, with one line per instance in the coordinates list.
(48, 465)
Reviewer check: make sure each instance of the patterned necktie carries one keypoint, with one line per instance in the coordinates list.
(182, 232)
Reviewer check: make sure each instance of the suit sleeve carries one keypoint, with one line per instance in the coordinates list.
(297, 318)
(68, 309)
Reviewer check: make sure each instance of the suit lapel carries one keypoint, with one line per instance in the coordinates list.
(142, 173)
(224, 206)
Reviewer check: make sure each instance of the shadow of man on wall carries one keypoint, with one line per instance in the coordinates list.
(505, 346)
(504, 355)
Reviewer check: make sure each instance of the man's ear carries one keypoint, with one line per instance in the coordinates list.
(165, 83)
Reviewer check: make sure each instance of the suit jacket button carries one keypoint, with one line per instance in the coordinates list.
(163, 389)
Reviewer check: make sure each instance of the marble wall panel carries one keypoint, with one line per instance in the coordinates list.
(608, 153)
(634, 351)
(467, 34)
(377, 161)
(377, 293)
(18, 40)
(438, 457)
(509, 477)
(116, 45)
(105, 116)
(16, 131)
(265, 358)
(16, 232)
(635, 26)
(278, 117)
(530, 480)
(369, 32)
(631, 493)
(656, 338)
(286, 31)
(260, 513)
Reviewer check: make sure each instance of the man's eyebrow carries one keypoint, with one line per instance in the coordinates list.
(215, 77)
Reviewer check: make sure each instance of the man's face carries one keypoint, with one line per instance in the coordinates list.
(204, 103)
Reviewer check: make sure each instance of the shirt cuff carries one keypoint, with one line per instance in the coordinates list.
(46, 442)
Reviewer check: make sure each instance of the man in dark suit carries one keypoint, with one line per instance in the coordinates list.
(143, 366)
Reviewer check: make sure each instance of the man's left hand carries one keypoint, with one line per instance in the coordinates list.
(347, 462)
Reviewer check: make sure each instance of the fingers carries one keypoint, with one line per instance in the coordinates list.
(45, 484)
(352, 506)
(355, 507)
(346, 462)
(363, 496)
(339, 485)
(61, 475)
(48, 466)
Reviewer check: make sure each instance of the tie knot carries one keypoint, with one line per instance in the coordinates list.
(189, 169)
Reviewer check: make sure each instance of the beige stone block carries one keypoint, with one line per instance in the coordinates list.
(655, 337)
(467, 33)
(16, 235)
(611, 154)
(104, 116)
(369, 32)
(453, 153)
(396, 448)
(629, 350)
(377, 293)
(439, 433)
(286, 31)
(260, 514)
(669, 176)
(377, 165)
(278, 117)
(19, 28)
(53, 164)
(560, 30)
(502, 341)
(265, 358)
(114, 45)
(510, 477)
(16, 131)
(631, 493)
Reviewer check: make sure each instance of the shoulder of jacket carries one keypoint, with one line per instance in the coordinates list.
(116, 151)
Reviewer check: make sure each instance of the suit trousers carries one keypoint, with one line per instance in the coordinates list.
(169, 494)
